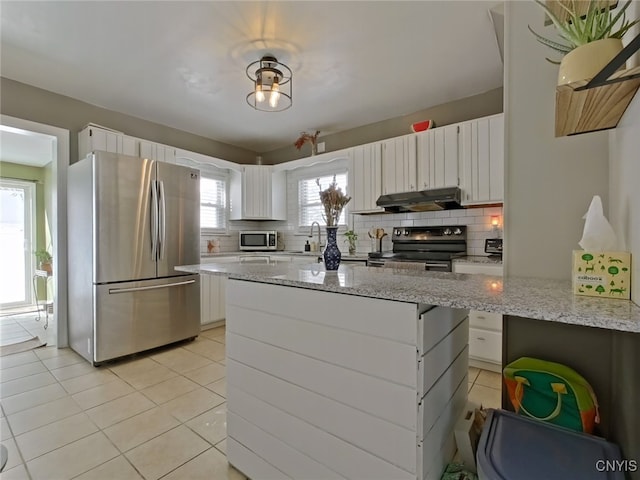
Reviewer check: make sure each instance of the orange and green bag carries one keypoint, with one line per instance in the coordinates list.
(551, 392)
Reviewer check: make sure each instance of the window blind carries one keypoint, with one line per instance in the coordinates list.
(213, 203)
(310, 208)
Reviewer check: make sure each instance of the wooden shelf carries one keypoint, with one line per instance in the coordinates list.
(582, 110)
(598, 103)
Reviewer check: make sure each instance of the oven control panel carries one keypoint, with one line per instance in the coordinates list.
(425, 234)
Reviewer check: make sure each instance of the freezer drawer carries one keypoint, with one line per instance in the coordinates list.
(135, 316)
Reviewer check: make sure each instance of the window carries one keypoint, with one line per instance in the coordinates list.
(309, 207)
(214, 194)
(213, 203)
(17, 227)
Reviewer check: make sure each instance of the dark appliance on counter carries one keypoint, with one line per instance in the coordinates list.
(493, 246)
(433, 247)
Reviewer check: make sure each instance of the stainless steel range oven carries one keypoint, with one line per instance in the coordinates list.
(423, 248)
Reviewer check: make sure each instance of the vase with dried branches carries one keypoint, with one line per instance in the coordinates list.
(333, 201)
(308, 137)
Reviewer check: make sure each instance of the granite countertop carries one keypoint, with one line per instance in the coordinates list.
(541, 299)
(479, 259)
(287, 253)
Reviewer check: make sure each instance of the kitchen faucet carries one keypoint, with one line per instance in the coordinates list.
(319, 238)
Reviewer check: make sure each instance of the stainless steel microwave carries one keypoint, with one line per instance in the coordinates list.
(259, 240)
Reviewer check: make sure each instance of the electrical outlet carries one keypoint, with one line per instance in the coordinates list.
(321, 147)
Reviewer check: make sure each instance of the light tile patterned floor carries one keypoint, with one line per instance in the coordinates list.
(159, 415)
(25, 325)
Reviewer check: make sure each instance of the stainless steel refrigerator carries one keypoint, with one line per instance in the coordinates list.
(130, 222)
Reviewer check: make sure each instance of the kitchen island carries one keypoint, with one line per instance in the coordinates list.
(357, 373)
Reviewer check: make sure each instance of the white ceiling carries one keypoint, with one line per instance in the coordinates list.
(182, 64)
(26, 148)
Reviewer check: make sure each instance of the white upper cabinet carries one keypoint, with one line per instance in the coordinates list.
(399, 165)
(96, 138)
(482, 156)
(258, 193)
(438, 157)
(157, 151)
(365, 177)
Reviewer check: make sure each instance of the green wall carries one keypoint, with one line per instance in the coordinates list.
(37, 175)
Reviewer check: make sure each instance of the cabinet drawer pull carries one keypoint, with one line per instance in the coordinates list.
(481, 338)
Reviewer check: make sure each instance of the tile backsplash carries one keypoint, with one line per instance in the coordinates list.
(477, 220)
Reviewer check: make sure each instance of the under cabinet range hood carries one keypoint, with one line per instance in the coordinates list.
(445, 198)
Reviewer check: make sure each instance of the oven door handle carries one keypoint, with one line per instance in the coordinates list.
(375, 263)
(436, 265)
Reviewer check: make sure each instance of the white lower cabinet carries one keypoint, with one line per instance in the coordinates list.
(486, 345)
(213, 291)
(325, 385)
(212, 294)
(485, 328)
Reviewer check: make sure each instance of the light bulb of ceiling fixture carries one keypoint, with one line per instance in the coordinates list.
(275, 93)
(259, 92)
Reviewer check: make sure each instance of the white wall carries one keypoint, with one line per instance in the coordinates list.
(549, 182)
(624, 183)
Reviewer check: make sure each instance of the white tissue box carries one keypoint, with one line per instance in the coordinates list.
(602, 274)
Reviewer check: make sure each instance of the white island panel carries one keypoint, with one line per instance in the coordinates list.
(370, 394)
(316, 361)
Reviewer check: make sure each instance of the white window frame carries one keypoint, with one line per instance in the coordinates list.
(210, 171)
(337, 167)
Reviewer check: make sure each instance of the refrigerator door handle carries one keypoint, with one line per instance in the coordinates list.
(162, 235)
(154, 221)
(152, 287)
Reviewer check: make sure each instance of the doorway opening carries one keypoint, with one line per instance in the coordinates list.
(33, 294)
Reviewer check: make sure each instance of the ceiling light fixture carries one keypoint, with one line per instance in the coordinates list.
(271, 85)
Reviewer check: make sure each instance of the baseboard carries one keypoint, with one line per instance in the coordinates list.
(209, 326)
(493, 367)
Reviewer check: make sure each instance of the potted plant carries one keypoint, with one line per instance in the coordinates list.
(307, 137)
(590, 41)
(351, 238)
(45, 260)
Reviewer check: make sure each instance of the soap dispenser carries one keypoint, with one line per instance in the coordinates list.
(307, 247)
